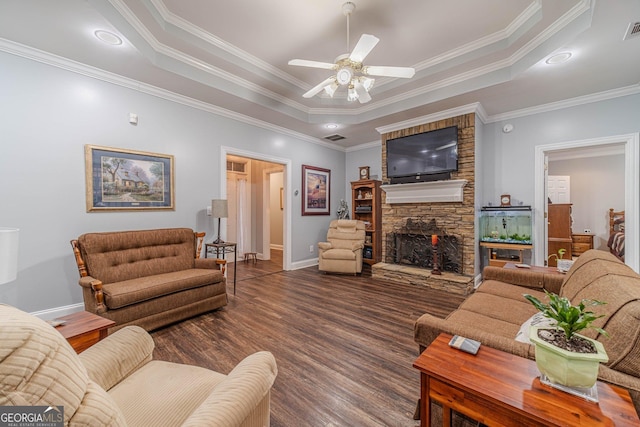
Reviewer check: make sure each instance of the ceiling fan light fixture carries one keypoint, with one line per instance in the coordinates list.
(344, 76)
(367, 82)
(330, 89)
(352, 95)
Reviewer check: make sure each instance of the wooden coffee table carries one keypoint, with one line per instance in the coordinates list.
(84, 329)
(498, 388)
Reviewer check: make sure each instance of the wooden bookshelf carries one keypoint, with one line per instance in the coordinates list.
(367, 206)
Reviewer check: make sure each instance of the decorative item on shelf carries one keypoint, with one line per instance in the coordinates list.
(368, 196)
(8, 254)
(364, 172)
(567, 360)
(505, 200)
(367, 239)
(434, 243)
(343, 210)
(359, 194)
(219, 210)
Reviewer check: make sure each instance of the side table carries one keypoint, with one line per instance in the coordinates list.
(536, 268)
(499, 388)
(224, 248)
(84, 329)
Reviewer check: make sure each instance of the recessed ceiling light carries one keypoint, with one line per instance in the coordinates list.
(558, 58)
(332, 126)
(108, 38)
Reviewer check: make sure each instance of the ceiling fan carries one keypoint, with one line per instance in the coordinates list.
(350, 71)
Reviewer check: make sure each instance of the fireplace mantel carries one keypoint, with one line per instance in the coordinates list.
(425, 192)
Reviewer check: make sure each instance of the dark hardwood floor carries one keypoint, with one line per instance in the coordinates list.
(344, 344)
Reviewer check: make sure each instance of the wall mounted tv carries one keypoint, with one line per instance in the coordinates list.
(427, 156)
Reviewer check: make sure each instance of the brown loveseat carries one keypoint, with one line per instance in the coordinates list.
(495, 313)
(149, 278)
(116, 382)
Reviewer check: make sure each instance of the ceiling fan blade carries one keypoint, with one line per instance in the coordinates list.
(403, 72)
(319, 87)
(363, 95)
(366, 43)
(312, 64)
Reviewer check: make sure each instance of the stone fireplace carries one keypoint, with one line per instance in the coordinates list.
(412, 245)
(410, 216)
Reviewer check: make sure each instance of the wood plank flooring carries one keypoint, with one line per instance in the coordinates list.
(344, 344)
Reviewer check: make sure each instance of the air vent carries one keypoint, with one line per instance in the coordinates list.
(632, 31)
(334, 137)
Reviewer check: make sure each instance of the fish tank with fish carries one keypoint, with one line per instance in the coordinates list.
(506, 224)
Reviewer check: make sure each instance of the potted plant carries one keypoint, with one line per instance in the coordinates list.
(562, 355)
(563, 264)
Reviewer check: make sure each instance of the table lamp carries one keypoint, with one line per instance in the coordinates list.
(8, 254)
(219, 210)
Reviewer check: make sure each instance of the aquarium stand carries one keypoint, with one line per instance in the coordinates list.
(496, 252)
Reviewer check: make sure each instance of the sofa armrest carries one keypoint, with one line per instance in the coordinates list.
(114, 358)
(324, 246)
(239, 395)
(524, 277)
(96, 291)
(212, 263)
(356, 246)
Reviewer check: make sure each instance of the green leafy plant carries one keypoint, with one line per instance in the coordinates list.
(559, 255)
(570, 318)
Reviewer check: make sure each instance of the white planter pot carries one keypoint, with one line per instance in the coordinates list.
(566, 367)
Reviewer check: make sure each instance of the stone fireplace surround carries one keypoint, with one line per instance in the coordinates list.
(457, 216)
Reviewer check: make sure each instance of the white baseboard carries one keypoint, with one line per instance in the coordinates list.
(304, 264)
(477, 281)
(54, 313)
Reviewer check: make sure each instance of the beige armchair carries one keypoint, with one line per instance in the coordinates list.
(116, 383)
(342, 252)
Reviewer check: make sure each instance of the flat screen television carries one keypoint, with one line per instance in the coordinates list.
(427, 156)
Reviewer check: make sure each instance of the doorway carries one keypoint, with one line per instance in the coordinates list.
(248, 181)
(631, 190)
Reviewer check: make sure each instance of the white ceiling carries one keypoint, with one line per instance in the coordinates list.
(233, 54)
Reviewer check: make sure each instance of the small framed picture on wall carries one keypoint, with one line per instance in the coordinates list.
(316, 184)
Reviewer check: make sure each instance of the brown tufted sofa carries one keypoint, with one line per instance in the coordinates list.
(495, 313)
(149, 278)
(116, 382)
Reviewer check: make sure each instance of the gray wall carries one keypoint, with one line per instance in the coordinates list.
(508, 158)
(48, 114)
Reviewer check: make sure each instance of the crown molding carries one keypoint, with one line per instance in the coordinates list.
(108, 77)
(567, 103)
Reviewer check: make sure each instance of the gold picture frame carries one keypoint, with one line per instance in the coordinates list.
(128, 180)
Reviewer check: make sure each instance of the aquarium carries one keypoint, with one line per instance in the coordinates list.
(506, 225)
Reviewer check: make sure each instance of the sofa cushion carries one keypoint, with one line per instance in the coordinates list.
(119, 256)
(122, 294)
(339, 254)
(167, 392)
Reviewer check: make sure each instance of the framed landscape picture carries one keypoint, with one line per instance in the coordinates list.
(119, 179)
(316, 183)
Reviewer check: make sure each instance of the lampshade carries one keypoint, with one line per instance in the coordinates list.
(219, 208)
(8, 254)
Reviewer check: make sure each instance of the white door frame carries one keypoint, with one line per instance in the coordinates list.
(286, 179)
(631, 192)
(266, 219)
